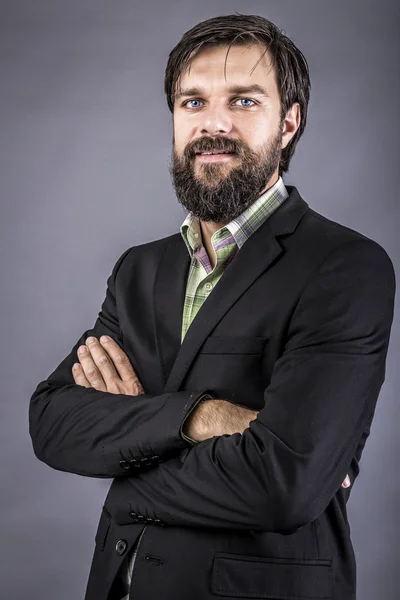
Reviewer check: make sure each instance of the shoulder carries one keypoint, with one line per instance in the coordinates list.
(339, 249)
(328, 236)
(146, 254)
(318, 222)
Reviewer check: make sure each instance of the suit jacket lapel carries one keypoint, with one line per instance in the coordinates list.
(257, 254)
(168, 299)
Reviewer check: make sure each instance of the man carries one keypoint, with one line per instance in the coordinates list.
(243, 358)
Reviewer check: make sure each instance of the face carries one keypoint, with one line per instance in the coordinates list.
(238, 119)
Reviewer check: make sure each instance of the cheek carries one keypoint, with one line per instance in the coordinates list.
(180, 142)
(257, 131)
(185, 130)
(180, 130)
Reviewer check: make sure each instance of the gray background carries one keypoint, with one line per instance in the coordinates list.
(85, 143)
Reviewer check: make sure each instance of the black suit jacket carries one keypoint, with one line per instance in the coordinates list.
(297, 328)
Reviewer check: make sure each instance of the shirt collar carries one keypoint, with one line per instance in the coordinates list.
(244, 225)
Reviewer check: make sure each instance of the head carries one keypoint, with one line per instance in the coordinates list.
(234, 84)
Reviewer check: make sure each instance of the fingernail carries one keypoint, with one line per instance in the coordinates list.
(75, 366)
(90, 340)
(104, 338)
(82, 349)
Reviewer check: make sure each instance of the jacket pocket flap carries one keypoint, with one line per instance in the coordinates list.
(281, 578)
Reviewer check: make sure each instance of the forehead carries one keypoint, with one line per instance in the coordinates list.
(213, 67)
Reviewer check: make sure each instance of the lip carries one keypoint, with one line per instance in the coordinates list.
(216, 157)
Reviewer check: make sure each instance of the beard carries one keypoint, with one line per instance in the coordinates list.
(221, 191)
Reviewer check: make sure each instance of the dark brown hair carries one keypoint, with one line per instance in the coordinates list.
(290, 66)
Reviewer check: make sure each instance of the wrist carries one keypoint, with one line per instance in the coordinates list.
(191, 427)
(200, 421)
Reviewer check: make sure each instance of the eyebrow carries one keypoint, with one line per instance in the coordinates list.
(234, 89)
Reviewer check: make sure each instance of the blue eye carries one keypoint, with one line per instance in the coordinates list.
(248, 100)
(192, 101)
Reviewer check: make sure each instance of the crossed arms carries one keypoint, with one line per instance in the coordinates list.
(288, 463)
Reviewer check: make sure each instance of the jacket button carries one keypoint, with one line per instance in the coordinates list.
(134, 462)
(124, 465)
(146, 462)
(159, 522)
(121, 547)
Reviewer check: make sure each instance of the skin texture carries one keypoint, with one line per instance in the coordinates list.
(250, 124)
(105, 367)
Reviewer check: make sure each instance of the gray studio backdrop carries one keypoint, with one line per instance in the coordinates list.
(85, 143)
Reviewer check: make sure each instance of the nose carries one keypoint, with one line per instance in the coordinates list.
(215, 121)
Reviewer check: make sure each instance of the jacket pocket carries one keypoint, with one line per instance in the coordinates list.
(102, 529)
(242, 576)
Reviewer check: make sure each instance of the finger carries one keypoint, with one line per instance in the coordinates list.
(138, 388)
(346, 483)
(90, 369)
(79, 376)
(103, 361)
(120, 359)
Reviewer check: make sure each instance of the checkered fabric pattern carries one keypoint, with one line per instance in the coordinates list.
(226, 242)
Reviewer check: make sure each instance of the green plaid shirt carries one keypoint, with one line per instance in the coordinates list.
(226, 242)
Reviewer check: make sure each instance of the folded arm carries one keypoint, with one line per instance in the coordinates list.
(285, 468)
(97, 433)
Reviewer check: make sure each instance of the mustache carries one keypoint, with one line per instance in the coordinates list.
(216, 143)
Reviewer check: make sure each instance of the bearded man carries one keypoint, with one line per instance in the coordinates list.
(230, 380)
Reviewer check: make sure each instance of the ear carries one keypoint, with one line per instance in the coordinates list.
(290, 124)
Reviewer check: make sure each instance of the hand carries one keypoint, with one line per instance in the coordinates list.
(346, 483)
(219, 417)
(105, 367)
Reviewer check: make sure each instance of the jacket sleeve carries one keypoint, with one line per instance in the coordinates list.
(285, 468)
(98, 434)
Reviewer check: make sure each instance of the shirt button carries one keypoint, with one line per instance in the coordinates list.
(208, 286)
(121, 547)
(196, 235)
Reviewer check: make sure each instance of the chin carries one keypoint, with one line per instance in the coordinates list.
(213, 170)
(210, 182)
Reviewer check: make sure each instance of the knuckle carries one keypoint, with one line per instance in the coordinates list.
(137, 386)
(103, 360)
(92, 374)
(122, 359)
